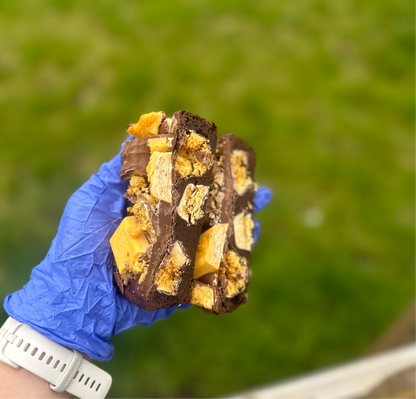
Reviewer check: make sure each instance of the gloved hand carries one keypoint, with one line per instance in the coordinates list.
(70, 297)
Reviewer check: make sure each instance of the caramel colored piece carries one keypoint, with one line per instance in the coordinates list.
(127, 247)
(147, 125)
(210, 250)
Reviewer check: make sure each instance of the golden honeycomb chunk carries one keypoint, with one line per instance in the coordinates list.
(163, 144)
(202, 295)
(137, 181)
(168, 276)
(194, 157)
(239, 167)
(236, 272)
(192, 203)
(147, 125)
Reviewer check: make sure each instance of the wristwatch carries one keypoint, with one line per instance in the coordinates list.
(65, 369)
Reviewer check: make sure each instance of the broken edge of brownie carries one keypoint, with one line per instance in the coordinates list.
(169, 165)
(222, 268)
(189, 230)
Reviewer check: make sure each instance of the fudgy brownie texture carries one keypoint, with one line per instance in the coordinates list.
(225, 244)
(169, 164)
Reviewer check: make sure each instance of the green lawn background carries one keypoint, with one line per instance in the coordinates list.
(324, 92)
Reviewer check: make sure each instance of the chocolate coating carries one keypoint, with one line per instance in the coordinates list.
(227, 203)
(169, 226)
(135, 157)
(164, 128)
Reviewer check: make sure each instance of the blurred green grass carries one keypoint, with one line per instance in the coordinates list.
(324, 92)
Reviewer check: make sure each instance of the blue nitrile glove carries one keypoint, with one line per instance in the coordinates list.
(262, 198)
(71, 297)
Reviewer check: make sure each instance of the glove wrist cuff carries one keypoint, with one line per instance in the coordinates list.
(65, 369)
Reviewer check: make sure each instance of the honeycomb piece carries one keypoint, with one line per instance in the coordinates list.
(202, 295)
(192, 203)
(147, 125)
(162, 144)
(239, 163)
(194, 157)
(168, 276)
(236, 272)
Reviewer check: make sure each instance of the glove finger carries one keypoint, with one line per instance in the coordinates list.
(70, 297)
(262, 198)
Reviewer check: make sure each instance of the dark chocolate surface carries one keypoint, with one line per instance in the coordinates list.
(135, 157)
(169, 226)
(228, 203)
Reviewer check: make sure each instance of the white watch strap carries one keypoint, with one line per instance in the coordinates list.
(65, 369)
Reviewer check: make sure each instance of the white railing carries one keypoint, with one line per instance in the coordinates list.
(350, 380)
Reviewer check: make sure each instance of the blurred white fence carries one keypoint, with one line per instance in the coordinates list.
(351, 380)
